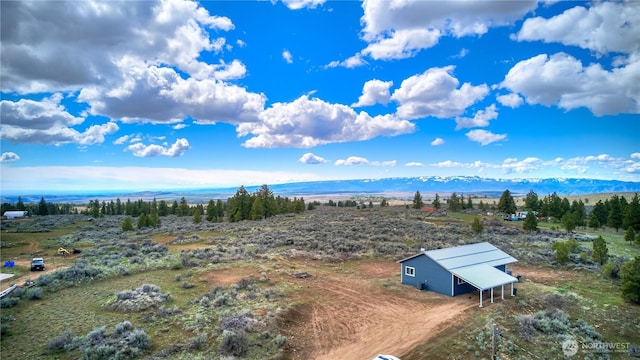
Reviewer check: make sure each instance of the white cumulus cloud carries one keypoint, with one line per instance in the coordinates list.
(47, 122)
(485, 137)
(286, 55)
(436, 92)
(312, 159)
(301, 4)
(437, 141)
(480, 119)
(9, 156)
(396, 29)
(374, 92)
(307, 122)
(562, 80)
(511, 100)
(604, 27)
(351, 160)
(176, 150)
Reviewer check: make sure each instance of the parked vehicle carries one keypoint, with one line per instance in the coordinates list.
(37, 264)
(385, 357)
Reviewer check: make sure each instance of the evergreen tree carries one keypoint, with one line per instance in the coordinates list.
(630, 280)
(119, 210)
(257, 209)
(531, 201)
(568, 221)
(614, 218)
(562, 251)
(436, 202)
(127, 225)
(593, 222)
(506, 204)
(454, 202)
(183, 208)
(600, 212)
(469, 202)
(268, 201)
(197, 216)
(579, 212)
(477, 226)
(212, 212)
(530, 222)
(632, 214)
(417, 201)
(43, 209)
(630, 235)
(384, 203)
(299, 205)
(600, 251)
(163, 208)
(142, 221)
(20, 204)
(239, 205)
(220, 209)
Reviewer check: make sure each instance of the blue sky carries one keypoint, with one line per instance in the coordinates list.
(179, 94)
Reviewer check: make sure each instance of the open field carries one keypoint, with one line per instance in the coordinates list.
(228, 290)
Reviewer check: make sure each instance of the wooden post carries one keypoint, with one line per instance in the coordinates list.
(494, 348)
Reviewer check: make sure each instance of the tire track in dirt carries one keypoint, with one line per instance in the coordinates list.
(353, 319)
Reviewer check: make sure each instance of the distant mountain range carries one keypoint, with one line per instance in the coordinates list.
(404, 187)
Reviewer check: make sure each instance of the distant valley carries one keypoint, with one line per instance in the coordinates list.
(399, 188)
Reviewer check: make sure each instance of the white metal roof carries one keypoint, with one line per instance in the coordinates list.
(470, 255)
(484, 276)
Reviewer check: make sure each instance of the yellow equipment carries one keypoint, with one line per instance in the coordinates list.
(63, 251)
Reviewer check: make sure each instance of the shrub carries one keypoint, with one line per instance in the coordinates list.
(34, 293)
(9, 302)
(123, 327)
(526, 328)
(233, 343)
(280, 340)
(197, 343)
(610, 269)
(126, 342)
(4, 323)
(587, 330)
(61, 342)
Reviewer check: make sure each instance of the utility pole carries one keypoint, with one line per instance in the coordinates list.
(494, 348)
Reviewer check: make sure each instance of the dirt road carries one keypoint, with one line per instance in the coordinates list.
(356, 317)
(50, 266)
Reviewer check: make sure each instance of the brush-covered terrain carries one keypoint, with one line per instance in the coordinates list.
(320, 284)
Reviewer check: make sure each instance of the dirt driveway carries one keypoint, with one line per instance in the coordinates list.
(50, 266)
(365, 312)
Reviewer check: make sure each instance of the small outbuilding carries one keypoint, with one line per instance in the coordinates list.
(460, 270)
(15, 214)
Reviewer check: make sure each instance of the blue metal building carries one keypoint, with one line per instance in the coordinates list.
(460, 270)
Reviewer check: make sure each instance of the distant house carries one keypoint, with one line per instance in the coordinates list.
(15, 214)
(460, 270)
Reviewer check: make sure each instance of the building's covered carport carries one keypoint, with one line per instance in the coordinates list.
(485, 277)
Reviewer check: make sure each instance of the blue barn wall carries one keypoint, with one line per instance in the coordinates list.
(437, 278)
(462, 288)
